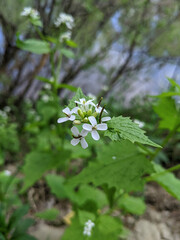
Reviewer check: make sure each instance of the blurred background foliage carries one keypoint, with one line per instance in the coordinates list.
(117, 40)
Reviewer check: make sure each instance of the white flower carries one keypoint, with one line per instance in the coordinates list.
(85, 104)
(92, 96)
(114, 157)
(69, 115)
(94, 127)
(7, 109)
(105, 119)
(3, 114)
(65, 36)
(67, 19)
(28, 11)
(45, 98)
(7, 172)
(47, 86)
(88, 227)
(79, 137)
(98, 109)
(105, 88)
(141, 124)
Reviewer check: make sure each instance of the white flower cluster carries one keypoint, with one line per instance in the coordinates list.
(141, 124)
(89, 115)
(88, 228)
(3, 114)
(30, 12)
(65, 36)
(66, 19)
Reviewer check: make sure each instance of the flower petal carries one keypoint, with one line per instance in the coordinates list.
(83, 143)
(66, 111)
(87, 127)
(105, 119)
(61, 120)
(84, 133)
(75, 141)
(92, 121)
(77, 102)
(95, 135)
(102, 127)
(74, 110)
(75, 131)
(72, 118)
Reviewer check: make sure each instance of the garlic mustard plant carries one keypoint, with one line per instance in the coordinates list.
(87, 116)
(88, 228)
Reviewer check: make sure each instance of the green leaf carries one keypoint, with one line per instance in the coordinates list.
(37, 163)
(67, 86)
(2, 237)
(22, 227)
(132, 204)
(84, 216)
(48, 214)
(79, 94)
(125, 172)
(56, 184)
(168, 120)
(36, 22)
(109, 225)
(34, 46)
(71, 43)
(126, 129)
(74, 231)
(68, 53)
(167, 180)
(17, 215)
(85, 192)
(46, 109)
(78, 151)
(174, 83)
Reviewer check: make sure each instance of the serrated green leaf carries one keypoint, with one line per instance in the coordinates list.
(114, 136)
(167, 180)
(125, 172)
(166, 109)
(34, 46)
(132, 205)
(126, 129)
(48, 214)
(38, 163)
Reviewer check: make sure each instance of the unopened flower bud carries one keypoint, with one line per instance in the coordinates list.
(80, 112)
(95, 114)
(85, 120)
(76, 122)
(89, 113)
